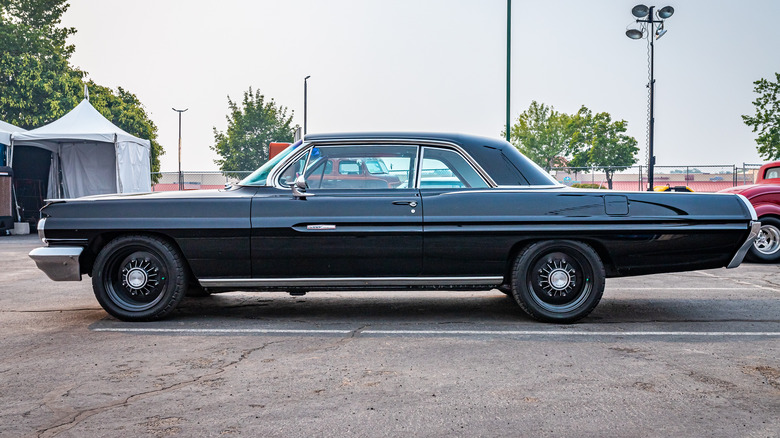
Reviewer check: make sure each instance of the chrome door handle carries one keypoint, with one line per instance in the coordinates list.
(409, 203)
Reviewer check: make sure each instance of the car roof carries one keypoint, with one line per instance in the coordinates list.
(505, 164)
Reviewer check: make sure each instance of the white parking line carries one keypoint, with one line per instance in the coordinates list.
(704, 288)
(428, 332)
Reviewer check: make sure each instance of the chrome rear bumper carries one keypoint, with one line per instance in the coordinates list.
(755, 226)
(59, 263)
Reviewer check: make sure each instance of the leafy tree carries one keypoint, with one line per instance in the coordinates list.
(602, 143)
(37, 83)
(543, 135)
(767, 119)
(252, 125)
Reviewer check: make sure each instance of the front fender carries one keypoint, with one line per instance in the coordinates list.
(766, 209)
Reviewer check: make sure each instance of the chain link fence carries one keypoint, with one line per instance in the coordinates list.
(698, 178)
(169, 181)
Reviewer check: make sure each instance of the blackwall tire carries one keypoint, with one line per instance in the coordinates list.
(139, 278)
(766, 247)
(558, 281)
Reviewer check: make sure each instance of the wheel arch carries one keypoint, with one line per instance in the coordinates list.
(98, 242)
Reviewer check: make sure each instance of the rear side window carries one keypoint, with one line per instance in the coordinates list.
(445, 169)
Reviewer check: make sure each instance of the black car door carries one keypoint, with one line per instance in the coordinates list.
(361, 218)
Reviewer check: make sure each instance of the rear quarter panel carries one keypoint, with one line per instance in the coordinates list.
(477, 232)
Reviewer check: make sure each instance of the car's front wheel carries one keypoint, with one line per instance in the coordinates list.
(558, 281)
(766, 247)
(139, 278)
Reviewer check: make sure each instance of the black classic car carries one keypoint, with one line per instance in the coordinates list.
(392, 211)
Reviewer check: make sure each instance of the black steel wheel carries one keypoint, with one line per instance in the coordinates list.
(139, 278)
(558, 281)
(766, 247)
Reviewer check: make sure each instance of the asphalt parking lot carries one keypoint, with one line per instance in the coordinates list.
(688, 354)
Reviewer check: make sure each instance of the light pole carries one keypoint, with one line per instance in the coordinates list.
(508, 59)
(305, 91)
(645, 16)
(181, 180)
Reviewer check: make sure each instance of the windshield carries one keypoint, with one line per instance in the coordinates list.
(259, 176)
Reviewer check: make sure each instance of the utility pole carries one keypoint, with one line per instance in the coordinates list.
(508, 59)
(181, 180)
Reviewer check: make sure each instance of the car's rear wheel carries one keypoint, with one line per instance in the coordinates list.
(139, 278)
(558, 281)
(766, 247)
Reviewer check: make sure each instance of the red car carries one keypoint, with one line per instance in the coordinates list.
(765, 197)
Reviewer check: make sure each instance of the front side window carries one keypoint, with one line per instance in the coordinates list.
(447, 169)
(772, 172)
(355, 167)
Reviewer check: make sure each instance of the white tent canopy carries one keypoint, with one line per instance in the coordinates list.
(90, 155)
(6, 129)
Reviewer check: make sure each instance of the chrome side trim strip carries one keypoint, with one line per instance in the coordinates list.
(60, 263)
(740, 255)
(348, 281)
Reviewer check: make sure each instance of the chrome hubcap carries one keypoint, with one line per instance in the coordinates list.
(557, 278)
(139, 276)
(136, 278)
(768, 240)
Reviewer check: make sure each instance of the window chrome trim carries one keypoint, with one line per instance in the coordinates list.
(348, 281)
(276, 172)
(305, 147)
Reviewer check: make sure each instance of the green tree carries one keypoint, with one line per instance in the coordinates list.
(602, 143)
(544, 135)
(252, 125)
(37, 83)
(766, 121)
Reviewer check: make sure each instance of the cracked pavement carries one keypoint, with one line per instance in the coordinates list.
(391, 364)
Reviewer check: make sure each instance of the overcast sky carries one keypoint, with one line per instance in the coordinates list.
(434, 65)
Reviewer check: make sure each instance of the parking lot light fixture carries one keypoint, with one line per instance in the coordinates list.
(650, 24)
(305, 102)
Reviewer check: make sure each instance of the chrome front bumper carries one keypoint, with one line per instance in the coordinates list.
(755, 226)
(59, 263)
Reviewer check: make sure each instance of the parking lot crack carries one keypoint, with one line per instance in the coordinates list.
(73, 418)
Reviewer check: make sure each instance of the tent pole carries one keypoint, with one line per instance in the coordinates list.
(10, 159)
(116, 160)
(10, 153)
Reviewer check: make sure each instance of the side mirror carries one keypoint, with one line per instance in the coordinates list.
(299, 188)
